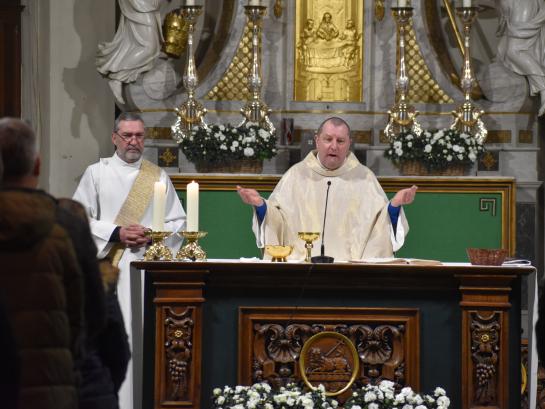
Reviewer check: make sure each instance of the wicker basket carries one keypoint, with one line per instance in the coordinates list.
(239, 166)
(486, 257)
(415, 168)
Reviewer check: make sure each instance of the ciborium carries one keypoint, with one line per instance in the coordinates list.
(158, 250)
(191, 251)
(308, 238)
(278, 253)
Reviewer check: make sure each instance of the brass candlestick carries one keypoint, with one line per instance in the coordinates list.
(256, 110)
(191, 112)
(192, 251)
(158, 250)
(402, 116)
(308, 237)
(467, 117)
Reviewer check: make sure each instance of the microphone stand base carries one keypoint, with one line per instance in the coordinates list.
(322, 259)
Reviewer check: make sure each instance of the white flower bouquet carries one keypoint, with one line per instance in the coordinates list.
(435, 149)
(262, 396)
(384, 396)
(221, 143)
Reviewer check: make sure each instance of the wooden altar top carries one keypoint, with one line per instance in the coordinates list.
(337, 275)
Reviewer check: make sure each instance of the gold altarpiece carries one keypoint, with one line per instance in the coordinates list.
(328, 51)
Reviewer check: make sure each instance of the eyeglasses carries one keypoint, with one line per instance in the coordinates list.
(126, 136)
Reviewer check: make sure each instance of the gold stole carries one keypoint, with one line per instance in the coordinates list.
(135, 204)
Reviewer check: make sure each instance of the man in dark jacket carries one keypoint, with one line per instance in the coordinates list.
(40, 281)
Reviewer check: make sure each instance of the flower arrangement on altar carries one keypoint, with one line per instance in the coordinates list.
(262, 396)
(384, 396)
(216, 144)
(380, 396)
(435, 150)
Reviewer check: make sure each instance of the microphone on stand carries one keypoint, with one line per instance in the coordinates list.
(323, 258)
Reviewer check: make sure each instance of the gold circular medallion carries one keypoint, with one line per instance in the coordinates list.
(330, 359)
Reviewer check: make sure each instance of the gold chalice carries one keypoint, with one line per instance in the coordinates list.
(191, 250)
(158, 250)
(277, 252)
(308, 237)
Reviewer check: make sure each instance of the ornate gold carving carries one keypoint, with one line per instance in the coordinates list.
(489, 161)
(278, 6)
(503, 136)
(423, 87)
(167, 157)
(158, 133)
(329, 359)
(485, 348)
(379, 10)
(526, 136)
(175, 34)
(328, 58)
(234, 84)
(178, 351)
(362, 136)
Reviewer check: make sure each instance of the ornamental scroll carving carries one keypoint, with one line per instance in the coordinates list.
(485, 348)
(178, 351)
(277, 349)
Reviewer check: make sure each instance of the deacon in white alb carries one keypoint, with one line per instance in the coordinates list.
(361, 222)
(117, 193)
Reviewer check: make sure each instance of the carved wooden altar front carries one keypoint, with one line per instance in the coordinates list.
(217, 323)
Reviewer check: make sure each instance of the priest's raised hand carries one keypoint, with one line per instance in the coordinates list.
(404, 196)
(250, 196)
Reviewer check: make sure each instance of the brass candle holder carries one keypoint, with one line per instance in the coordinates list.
(191, 250)
(256, 110)
(402, 116)
(308, 238)
(191, 112)
(158, 250)
(467, 117)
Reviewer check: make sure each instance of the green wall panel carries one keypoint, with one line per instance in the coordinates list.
(442, 225)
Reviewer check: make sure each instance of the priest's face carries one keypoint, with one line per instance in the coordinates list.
(333, 144)
(129, 140)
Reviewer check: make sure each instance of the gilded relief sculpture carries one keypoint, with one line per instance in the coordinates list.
(328, 51)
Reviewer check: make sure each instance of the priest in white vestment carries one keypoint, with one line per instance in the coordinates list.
(361, 222)
(117, 193)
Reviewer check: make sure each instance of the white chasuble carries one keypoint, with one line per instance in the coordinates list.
(358, 225)
(102, 190)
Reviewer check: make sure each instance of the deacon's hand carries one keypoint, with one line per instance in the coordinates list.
(404, 196)
(250, 196)
(133, 235)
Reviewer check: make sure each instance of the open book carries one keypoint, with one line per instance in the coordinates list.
(392, 260)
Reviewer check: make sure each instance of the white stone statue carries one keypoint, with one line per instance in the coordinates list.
(522, 44)
(135, 46)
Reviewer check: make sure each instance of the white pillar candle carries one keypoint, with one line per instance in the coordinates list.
(192, 206)
(254, 2)
(159, 198)
(401, 3)
(466, 3)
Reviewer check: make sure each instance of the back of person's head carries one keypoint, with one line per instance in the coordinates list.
(18, 149)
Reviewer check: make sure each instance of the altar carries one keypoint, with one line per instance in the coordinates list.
(227, 322)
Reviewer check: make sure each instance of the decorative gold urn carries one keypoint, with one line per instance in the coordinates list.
(175, 34)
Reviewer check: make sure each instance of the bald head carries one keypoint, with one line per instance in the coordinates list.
(18, 151)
